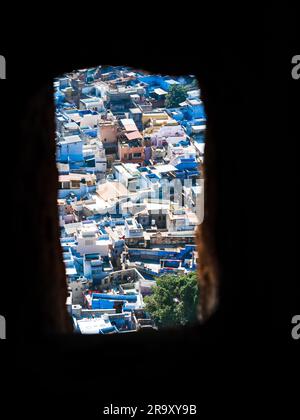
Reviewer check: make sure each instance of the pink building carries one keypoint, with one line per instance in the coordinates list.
(131, 149)
(130, 143)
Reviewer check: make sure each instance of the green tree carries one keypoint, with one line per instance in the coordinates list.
(176, 95)
(174, 300)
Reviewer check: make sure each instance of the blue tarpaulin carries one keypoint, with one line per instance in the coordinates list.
(129, 298)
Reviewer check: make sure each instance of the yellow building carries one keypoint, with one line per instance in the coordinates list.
(154, 115)
(156, 121)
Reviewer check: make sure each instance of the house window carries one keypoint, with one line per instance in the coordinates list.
(65, 185)
(75, 184)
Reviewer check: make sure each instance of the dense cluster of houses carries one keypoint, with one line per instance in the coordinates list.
(130, 191)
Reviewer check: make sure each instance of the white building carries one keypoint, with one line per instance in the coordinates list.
(181, 219)
(133, 229)
(78, 288)
(91, 241)
(175, 150)
(173, 133)
(94, 103)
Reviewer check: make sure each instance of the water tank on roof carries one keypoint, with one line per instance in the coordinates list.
(76, 310)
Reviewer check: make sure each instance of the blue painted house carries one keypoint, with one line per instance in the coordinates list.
(59, 98)
(70, 149)
(186, 163)
(193, 109)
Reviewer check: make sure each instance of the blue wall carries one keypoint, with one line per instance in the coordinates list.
(70, 151)
(196, 111)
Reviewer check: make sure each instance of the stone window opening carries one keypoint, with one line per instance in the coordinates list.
(56, 319)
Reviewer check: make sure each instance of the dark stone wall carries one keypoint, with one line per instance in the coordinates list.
(46, 292)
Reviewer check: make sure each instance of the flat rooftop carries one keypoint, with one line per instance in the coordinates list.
(92, 325)
(111, 190)
(135, 110)
(71, 139)
(76, 177)
(160, 91)
(129, 124)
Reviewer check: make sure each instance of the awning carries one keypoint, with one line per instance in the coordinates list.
(134, 135)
